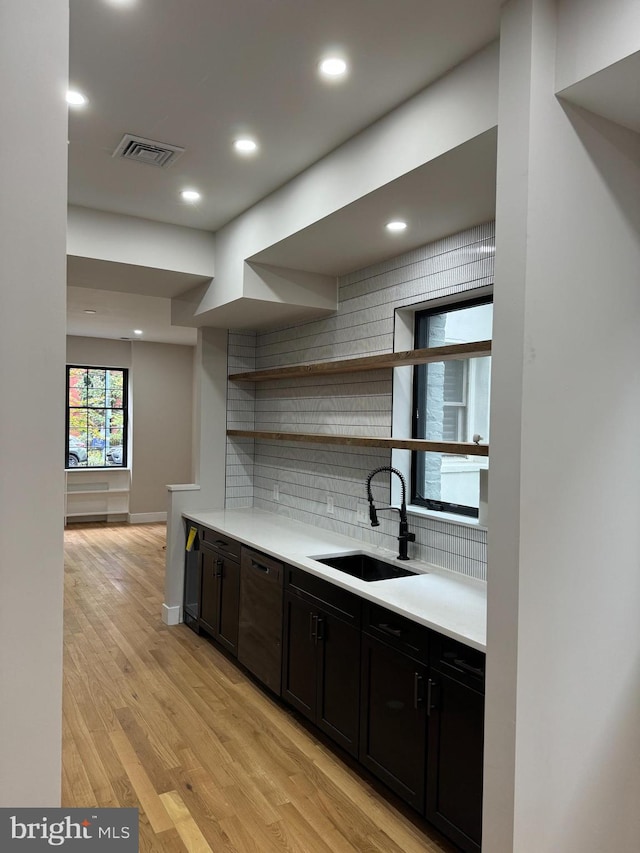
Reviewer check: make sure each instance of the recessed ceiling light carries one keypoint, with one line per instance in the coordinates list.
(137, 331)
(76, 99)
(190, 195)
(245, 145)
(396, 226)
(333, 67)
(90, 311)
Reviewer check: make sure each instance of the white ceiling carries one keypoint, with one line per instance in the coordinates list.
(444, 196)
(118, 314)
(613, 92)
(195, 73)
(129, 278)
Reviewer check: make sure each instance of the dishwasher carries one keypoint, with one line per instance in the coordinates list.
(260, 626)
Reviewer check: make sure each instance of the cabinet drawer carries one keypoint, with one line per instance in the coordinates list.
(401, 633)
(461, 662)
(333, 599)
(221, 542)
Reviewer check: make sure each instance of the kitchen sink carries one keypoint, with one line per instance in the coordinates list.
(365, 567)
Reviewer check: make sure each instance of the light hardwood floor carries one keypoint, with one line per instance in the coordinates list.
(157, 718)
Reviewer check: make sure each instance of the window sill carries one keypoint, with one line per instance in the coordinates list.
(96, 468)
(448, 517)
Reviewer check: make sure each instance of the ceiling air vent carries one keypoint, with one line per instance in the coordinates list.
(147, 151)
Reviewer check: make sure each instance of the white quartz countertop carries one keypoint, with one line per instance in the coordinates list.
(440, 599)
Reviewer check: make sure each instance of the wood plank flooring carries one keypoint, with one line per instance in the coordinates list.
(157, 718)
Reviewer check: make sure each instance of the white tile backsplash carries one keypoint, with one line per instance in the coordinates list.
(353, 404)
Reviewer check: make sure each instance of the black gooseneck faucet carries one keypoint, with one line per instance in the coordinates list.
(404, 536)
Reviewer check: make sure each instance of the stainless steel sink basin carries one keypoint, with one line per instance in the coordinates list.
(365, 567)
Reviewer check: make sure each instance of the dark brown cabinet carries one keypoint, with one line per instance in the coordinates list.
(406, 701)
(321, 661)
(393, 727)
(260, 635)
(456, 737)
(220, 589)
(299, 682)
(422, 721)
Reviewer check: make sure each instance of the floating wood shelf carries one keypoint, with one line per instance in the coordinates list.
(477, 349)
(454, 447)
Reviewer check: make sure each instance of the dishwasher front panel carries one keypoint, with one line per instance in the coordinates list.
(260, 628)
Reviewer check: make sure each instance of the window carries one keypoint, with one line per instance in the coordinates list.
(96, 428)
(451, 403)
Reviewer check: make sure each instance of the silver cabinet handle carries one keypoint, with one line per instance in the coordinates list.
(431, 689)
(387, 629)
(466, 667)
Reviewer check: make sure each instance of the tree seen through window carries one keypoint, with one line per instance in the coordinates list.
(96, 417)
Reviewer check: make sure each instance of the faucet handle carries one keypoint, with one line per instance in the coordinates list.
(406, 536)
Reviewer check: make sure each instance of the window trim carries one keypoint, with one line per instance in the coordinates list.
(125, 413)
(417, 404)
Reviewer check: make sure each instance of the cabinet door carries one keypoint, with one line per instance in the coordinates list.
(393, 724)
(454, 776)
(210, 561)
(299, 686)
(192, 589)
(260, 621)
(338, 688)
(229, 604)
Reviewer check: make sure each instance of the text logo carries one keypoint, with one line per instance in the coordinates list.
(78, 830)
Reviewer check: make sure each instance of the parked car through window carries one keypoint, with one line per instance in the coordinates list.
(96, 417)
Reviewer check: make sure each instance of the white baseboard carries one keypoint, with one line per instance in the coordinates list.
(146, 517)
(171, 615)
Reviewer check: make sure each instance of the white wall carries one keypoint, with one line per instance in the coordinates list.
(131, 240)
(33, 174)
(209, 439)
(593, 34)
(161, 401)
(162, 392)
(563, 680)
(98, 352)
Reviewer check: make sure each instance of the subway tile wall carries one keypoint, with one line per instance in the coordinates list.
(304, 475)
(241, 402)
